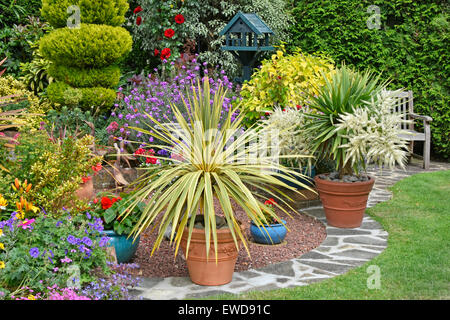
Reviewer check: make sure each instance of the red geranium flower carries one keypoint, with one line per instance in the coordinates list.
(139, 151)
(270, 202)
(156, 52)
(137, 10)
(86, 179)
(169, 33)
(138, 20)
(179, 18)
(106, 203)
(299, 107)
(151, 160)
(165, 53)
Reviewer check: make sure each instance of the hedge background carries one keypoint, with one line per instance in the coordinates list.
(411, 47)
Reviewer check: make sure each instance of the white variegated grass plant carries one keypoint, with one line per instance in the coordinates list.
(353, 123)
(212, 163)
(373, 132)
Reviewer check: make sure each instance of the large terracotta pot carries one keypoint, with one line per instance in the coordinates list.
(205, 271)
(344, 203)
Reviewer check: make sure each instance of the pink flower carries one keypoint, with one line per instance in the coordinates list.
(113, 126)
(66, 260)
(26, 224)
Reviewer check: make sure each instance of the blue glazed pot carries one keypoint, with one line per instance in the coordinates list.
(277, 233)
(309, 180)
(125, 248)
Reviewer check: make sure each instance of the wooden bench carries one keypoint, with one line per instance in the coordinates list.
(406, 107)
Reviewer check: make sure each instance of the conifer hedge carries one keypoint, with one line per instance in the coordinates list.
(408, 42)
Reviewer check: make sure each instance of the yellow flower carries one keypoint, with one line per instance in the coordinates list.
(2, 246)
(1, 232)
(3, 203)
(31, 297)
(2, 265)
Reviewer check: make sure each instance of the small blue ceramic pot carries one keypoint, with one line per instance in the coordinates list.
(273, 234)
(125, 248)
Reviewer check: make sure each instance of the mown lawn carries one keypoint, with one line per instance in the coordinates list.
(416, 263)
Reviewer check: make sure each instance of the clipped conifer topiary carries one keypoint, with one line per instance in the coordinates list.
(85, 49)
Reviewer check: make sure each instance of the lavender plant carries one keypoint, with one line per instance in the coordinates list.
(155, 94)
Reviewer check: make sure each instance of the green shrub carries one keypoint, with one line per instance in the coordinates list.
(109, 12)
(107, 77)
(63, 94)
(283, 81)
(410, 47)
(35, 73)
(90, 46)
(54, 168)
(203, 22)
(84, 56)
(14, 12)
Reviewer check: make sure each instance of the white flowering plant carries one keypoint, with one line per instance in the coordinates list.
(373, 132)
(292, 140)
(354, 123)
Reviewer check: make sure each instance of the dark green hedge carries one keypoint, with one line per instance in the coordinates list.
(411, 47)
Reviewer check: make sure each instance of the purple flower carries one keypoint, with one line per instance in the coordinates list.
(87, 241)
(34, 252)
(71, 239)
(103, 241)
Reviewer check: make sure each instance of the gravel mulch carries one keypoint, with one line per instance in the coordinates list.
(306, 233)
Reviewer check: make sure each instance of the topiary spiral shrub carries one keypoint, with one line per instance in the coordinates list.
(107, 77)
(109, 12)
(85, 58)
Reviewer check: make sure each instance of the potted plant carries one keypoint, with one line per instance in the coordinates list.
(293, 141)
(273, 232)
(192, 193)
(109, 209)
(353, 124)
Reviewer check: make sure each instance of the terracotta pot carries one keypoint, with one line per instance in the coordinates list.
(344, 203)
(203, 270)
(86, 190)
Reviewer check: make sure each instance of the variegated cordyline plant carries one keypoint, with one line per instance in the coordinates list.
(352, 123)
(209, 163)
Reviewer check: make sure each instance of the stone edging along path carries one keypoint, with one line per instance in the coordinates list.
(342, 250)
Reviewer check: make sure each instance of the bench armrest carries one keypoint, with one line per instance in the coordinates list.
(424, 118)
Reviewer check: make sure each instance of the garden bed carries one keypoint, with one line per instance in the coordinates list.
(306, 233)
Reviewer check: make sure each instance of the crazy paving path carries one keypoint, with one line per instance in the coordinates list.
(342, 250)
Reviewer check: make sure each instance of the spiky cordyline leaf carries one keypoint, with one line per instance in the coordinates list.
(219, 164)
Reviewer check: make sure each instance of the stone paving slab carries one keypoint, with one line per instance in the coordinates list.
(341, 251)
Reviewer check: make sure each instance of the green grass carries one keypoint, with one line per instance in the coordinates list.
(416, 263)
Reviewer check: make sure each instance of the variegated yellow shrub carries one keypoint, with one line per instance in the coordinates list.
(284, 81)
(17, 90)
